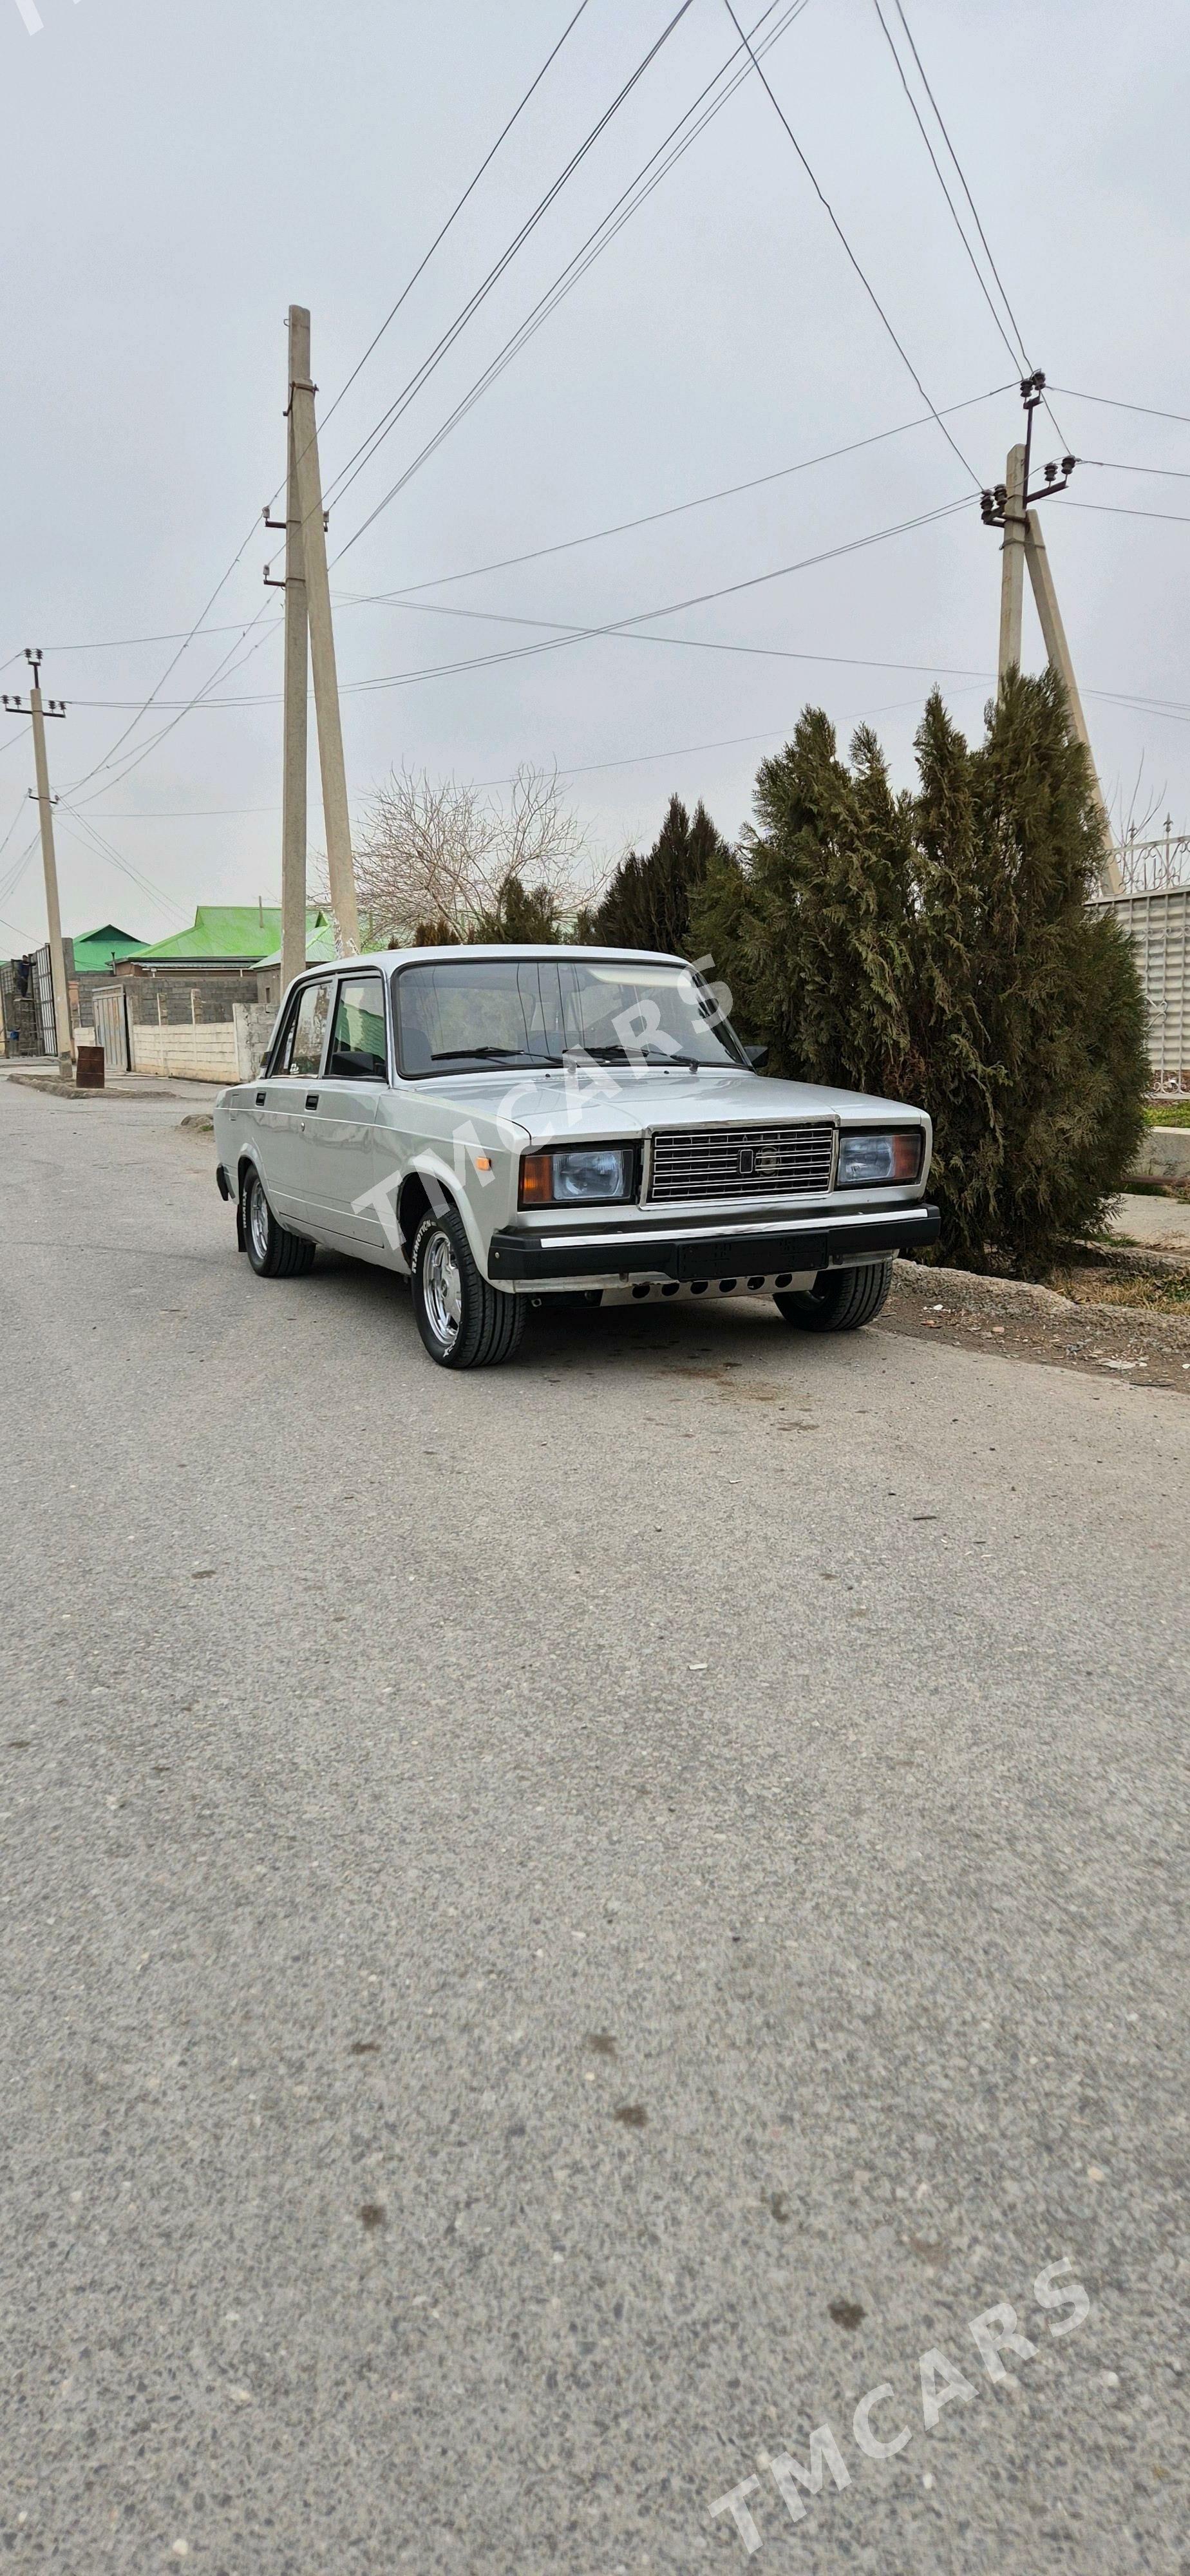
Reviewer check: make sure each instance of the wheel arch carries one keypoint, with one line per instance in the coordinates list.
(422, 1192)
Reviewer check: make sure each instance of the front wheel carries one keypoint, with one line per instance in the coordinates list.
(273, 1251)
(839, 1301)
(464, 1322)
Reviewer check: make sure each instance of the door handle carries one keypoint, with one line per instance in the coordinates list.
(311, 1100)
(260, 1099)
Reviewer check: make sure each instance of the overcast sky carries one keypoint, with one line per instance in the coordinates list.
(175, 176)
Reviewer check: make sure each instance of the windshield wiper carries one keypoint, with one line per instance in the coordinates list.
(636, 1055)
(491, 1054)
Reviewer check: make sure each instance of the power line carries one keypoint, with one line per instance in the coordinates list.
(174, 635)
(456, 210)
(16, 872)
(187, 813)
(80, 825)
(388, 420)
(675, 509)
(242, 549)
(184, 709)
(865, 282)
(151, 700)
(22, 801)
(627, 204)
(562, 545)
(1017, 354)
(627, 627)
(605, 232)
(1114, 465)
(172, 665)
(1118, 510)
(1112, 403)
(962, 176)
(726, 742)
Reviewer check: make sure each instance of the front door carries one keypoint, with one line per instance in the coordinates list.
(340, 1116)
(279, 1113)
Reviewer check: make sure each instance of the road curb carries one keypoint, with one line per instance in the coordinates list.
(998, 1300)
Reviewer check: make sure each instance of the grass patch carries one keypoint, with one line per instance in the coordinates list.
(1167, 1113)
(1164, 1292)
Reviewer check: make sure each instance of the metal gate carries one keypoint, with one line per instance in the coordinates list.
(43, 997)
(111, 1028)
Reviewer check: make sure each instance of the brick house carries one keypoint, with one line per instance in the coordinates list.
(193, 999)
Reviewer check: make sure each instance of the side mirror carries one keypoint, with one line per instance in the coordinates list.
(756, 1055)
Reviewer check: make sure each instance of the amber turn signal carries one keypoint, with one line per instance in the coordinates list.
(537, 1180)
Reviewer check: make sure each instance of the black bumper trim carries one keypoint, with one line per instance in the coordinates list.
(514, 1254)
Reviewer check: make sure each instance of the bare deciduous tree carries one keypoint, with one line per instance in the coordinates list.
(438, 851)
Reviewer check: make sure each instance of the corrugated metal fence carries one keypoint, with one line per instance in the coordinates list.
(1158, 923)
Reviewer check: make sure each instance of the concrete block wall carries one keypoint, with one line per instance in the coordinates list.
(186, 1054)
(1164, 1155)
(180, 1000)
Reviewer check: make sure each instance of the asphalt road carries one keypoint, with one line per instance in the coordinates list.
(562, 1925)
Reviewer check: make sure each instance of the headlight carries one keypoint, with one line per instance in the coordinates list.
(868, 1162)
(583, 1172)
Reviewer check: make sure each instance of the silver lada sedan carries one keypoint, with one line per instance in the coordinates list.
(506, 1124)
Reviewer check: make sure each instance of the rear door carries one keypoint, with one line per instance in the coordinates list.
(280, 1112)
(340, 1115)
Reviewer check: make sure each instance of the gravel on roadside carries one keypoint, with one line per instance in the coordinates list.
(1138, 1343)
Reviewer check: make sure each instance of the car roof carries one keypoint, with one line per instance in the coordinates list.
(391, 958)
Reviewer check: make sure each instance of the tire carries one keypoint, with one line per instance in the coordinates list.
(463, 1322)
(839, 1301)
(273, 1251)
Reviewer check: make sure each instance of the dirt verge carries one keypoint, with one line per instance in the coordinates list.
(1141, 1344)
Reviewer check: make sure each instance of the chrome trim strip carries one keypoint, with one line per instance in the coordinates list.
(842, 1217)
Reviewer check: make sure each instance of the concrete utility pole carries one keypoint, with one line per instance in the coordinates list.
(304, 450)
(1012, 566)
(1008, 506)
(1058, 656)
(293, 794)
(45, 806)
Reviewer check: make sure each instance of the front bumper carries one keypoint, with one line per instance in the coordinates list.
(713, 1252)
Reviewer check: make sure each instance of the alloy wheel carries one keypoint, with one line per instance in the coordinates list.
(442, 1288)
(258, 1221)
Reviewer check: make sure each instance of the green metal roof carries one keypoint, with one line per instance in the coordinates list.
(95, 949)
(320, 944)
(244, 931)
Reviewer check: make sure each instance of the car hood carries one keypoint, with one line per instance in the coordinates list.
(607, 1103)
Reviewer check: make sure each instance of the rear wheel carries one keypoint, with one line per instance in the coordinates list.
(273, 1251)
(464, 1322)
(839, 1301)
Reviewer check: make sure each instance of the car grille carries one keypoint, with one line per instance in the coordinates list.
(741, 1162)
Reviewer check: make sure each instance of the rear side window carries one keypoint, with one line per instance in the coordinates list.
(358, 1050)
(302, 1052)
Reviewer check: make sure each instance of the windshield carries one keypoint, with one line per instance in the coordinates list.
(488, 1011)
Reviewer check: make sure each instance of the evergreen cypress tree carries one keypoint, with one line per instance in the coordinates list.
(519, 913)
(651, 898)
(939, 947)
